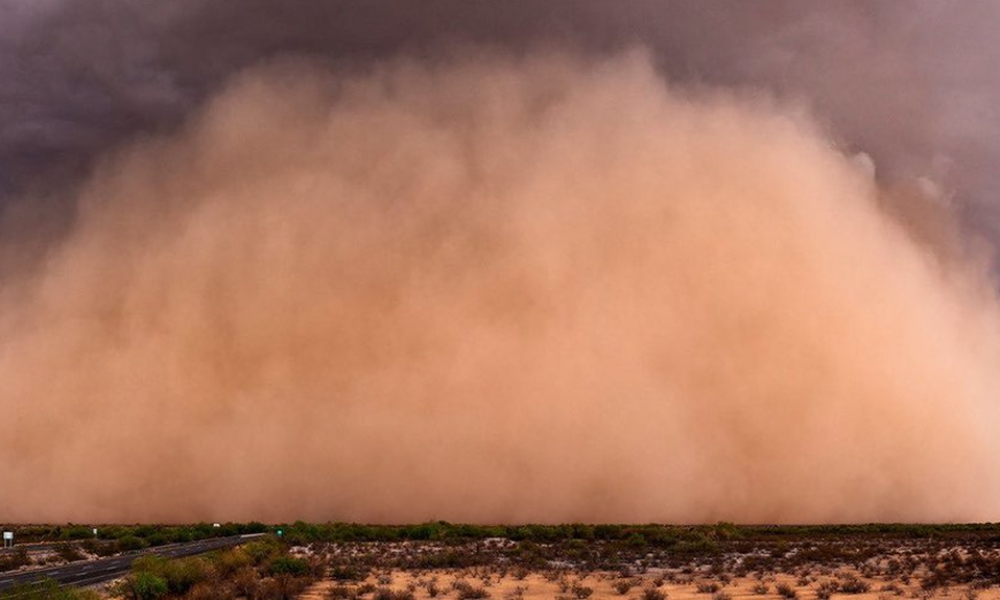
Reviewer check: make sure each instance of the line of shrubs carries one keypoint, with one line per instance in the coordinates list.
(651, 535)
(259, 570)
(149, 535)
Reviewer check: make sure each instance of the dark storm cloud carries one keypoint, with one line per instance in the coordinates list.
(911, 84)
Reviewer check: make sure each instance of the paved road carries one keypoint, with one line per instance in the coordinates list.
(91, 572)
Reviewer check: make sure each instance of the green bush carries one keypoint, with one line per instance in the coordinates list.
(145, 586)
(227, 563)
(183, 574)
(290, 565)
(262, 550)
(180, 574)
(129, 543)
(76, 532)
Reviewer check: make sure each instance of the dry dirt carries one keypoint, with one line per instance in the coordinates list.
(537, 586)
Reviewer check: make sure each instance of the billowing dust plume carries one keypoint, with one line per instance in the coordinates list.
(495, 290)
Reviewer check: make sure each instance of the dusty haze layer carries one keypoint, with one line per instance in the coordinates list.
(537, 289)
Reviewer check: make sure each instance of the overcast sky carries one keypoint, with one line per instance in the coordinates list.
(913, 84)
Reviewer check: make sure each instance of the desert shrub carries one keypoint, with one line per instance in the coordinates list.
(622, 586)
(385, 593)
(289, 564)
(228, 563)
(826, 589)
(467, 592)
(158, 538)
(183, 574)
(342, 592)
(892, 587)
(180, 575)
(144, 586)
(786, 591)
(150, 563)
(707, 587)
(516, 594)
(261, 551)
(652, 593)
(407, 594)
(761, 589)
(99, 548)
(75, 532)
(282, 587)
(851, 584)
(245, 582)
(721, 595)
(270, 589)
(210, 591)
(130, 543)
(69, 552)
(15, 560)
(582, 591)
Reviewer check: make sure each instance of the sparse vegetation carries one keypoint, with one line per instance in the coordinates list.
(580, 561)
(707, 587)
(261, 570)
(652, 593)
(851, 584)
(827, 589)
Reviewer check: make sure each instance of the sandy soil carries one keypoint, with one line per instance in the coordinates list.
(536, 587)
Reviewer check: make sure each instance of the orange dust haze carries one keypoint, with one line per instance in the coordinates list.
(495, 289)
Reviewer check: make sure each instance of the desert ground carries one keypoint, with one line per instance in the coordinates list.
(562, 562)
(715, 563)
(598, 586)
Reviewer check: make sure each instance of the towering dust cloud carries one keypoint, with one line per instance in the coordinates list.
(494, 290)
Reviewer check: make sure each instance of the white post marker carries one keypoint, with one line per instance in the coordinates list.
(8, 539)
(95, 532)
